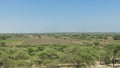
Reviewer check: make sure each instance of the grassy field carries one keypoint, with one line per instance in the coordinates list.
(53, 40)
(13, 41)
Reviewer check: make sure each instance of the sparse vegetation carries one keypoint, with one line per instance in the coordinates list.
(45, 52)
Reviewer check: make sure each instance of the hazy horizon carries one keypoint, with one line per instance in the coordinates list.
(47, 16)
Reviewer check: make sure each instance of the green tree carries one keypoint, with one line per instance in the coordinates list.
(48, 55)
(113, 51)
(96, 42)
(80, 55)
(20, 55)
(2, 43)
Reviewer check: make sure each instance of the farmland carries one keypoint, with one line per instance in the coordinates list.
(58, 50)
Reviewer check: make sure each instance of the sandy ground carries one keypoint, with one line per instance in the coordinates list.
(106, 66)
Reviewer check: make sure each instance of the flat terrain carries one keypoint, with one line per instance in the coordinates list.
(54, 40)
(30, 47)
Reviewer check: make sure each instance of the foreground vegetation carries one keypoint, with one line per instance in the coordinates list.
(14, 53)
(52, 55)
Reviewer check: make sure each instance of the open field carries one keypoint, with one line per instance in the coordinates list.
(62, 38)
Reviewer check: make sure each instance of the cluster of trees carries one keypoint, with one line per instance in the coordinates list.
(4, 37)
(53, 55)
(115, 36)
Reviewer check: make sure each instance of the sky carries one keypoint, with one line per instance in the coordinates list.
(42, 16)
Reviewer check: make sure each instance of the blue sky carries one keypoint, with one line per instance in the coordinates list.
(39, 16)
